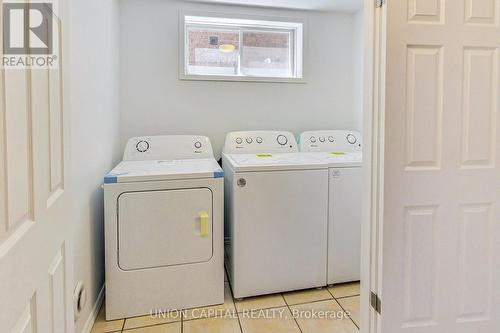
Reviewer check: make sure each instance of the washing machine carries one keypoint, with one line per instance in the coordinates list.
(342, 152)
(276, 203)
(164, 227)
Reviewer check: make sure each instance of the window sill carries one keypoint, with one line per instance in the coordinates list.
(184, 77)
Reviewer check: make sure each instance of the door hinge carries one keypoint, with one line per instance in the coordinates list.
(379, 3)
(376, 303)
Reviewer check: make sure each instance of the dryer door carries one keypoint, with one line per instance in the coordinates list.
(164, 228)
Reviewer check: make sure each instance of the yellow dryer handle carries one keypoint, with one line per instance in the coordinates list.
(204, 224)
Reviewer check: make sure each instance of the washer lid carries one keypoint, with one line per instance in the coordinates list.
(340, 159)
(155, 170)
(274, 162)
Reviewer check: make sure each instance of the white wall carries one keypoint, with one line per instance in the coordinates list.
(155, 101)
(358, 60)
(93, 93)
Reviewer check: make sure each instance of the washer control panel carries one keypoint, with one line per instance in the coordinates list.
(167, 147)
(330, 141)
(249, 142)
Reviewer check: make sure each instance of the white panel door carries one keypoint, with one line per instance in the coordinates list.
(441, 228)
(35, 256)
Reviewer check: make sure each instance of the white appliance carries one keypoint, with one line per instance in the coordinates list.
(342, 151)
(276, 214)
(164, 227)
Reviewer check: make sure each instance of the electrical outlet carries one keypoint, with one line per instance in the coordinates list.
(79, 299)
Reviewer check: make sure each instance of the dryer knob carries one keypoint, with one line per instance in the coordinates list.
(282, 140)
(142, 146)
(351, 139)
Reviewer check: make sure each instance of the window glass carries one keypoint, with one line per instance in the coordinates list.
(242, 48)
(266, 53)
(213, 52)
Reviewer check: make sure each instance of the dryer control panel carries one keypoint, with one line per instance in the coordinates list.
(249, 142)
(330, 141)
(168, 147)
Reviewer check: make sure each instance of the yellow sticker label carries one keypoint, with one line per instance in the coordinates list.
(337, 153)
(264, 155)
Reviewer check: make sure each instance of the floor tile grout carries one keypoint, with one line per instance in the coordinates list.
(290, 310)
(350, 317)
(232, 296)
(152, 325)
(312, 302)
(351, 296)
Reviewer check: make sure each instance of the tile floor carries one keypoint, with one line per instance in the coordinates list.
(286, 312)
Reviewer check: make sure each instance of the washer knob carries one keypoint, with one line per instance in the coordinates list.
(331, 138)
(312, 139)
(259, 139)
(282, 140)
(197, 144)
(351, 139)
(321, 139)
(239, 141)
(249, 140)
(142, 146)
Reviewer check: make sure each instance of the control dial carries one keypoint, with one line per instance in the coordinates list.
(197, 144)
(282, 140)
(259, 139)
(239, 141)
(331, 138)
(312, 139)
(351, 139)
(249, 140)
(142, 146)
(321, 139)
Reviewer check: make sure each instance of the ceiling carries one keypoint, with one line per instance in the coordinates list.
(341, 5)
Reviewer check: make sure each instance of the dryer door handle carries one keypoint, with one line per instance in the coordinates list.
(204, 224)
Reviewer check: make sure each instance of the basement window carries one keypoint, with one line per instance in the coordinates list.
(241, 49)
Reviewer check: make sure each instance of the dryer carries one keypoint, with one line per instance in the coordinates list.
(164, 227)
(276, 214)
(342, 152)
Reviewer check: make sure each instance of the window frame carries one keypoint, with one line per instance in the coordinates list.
(297, 29)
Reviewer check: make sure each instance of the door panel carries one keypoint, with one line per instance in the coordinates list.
(424, 106)
(480, 95)
(481, 12)
(425, 11)
(475, 241)
(164, 228)
(441, 232)
(18, 152)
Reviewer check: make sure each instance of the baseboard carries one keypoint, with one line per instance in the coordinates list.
(87, 328)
